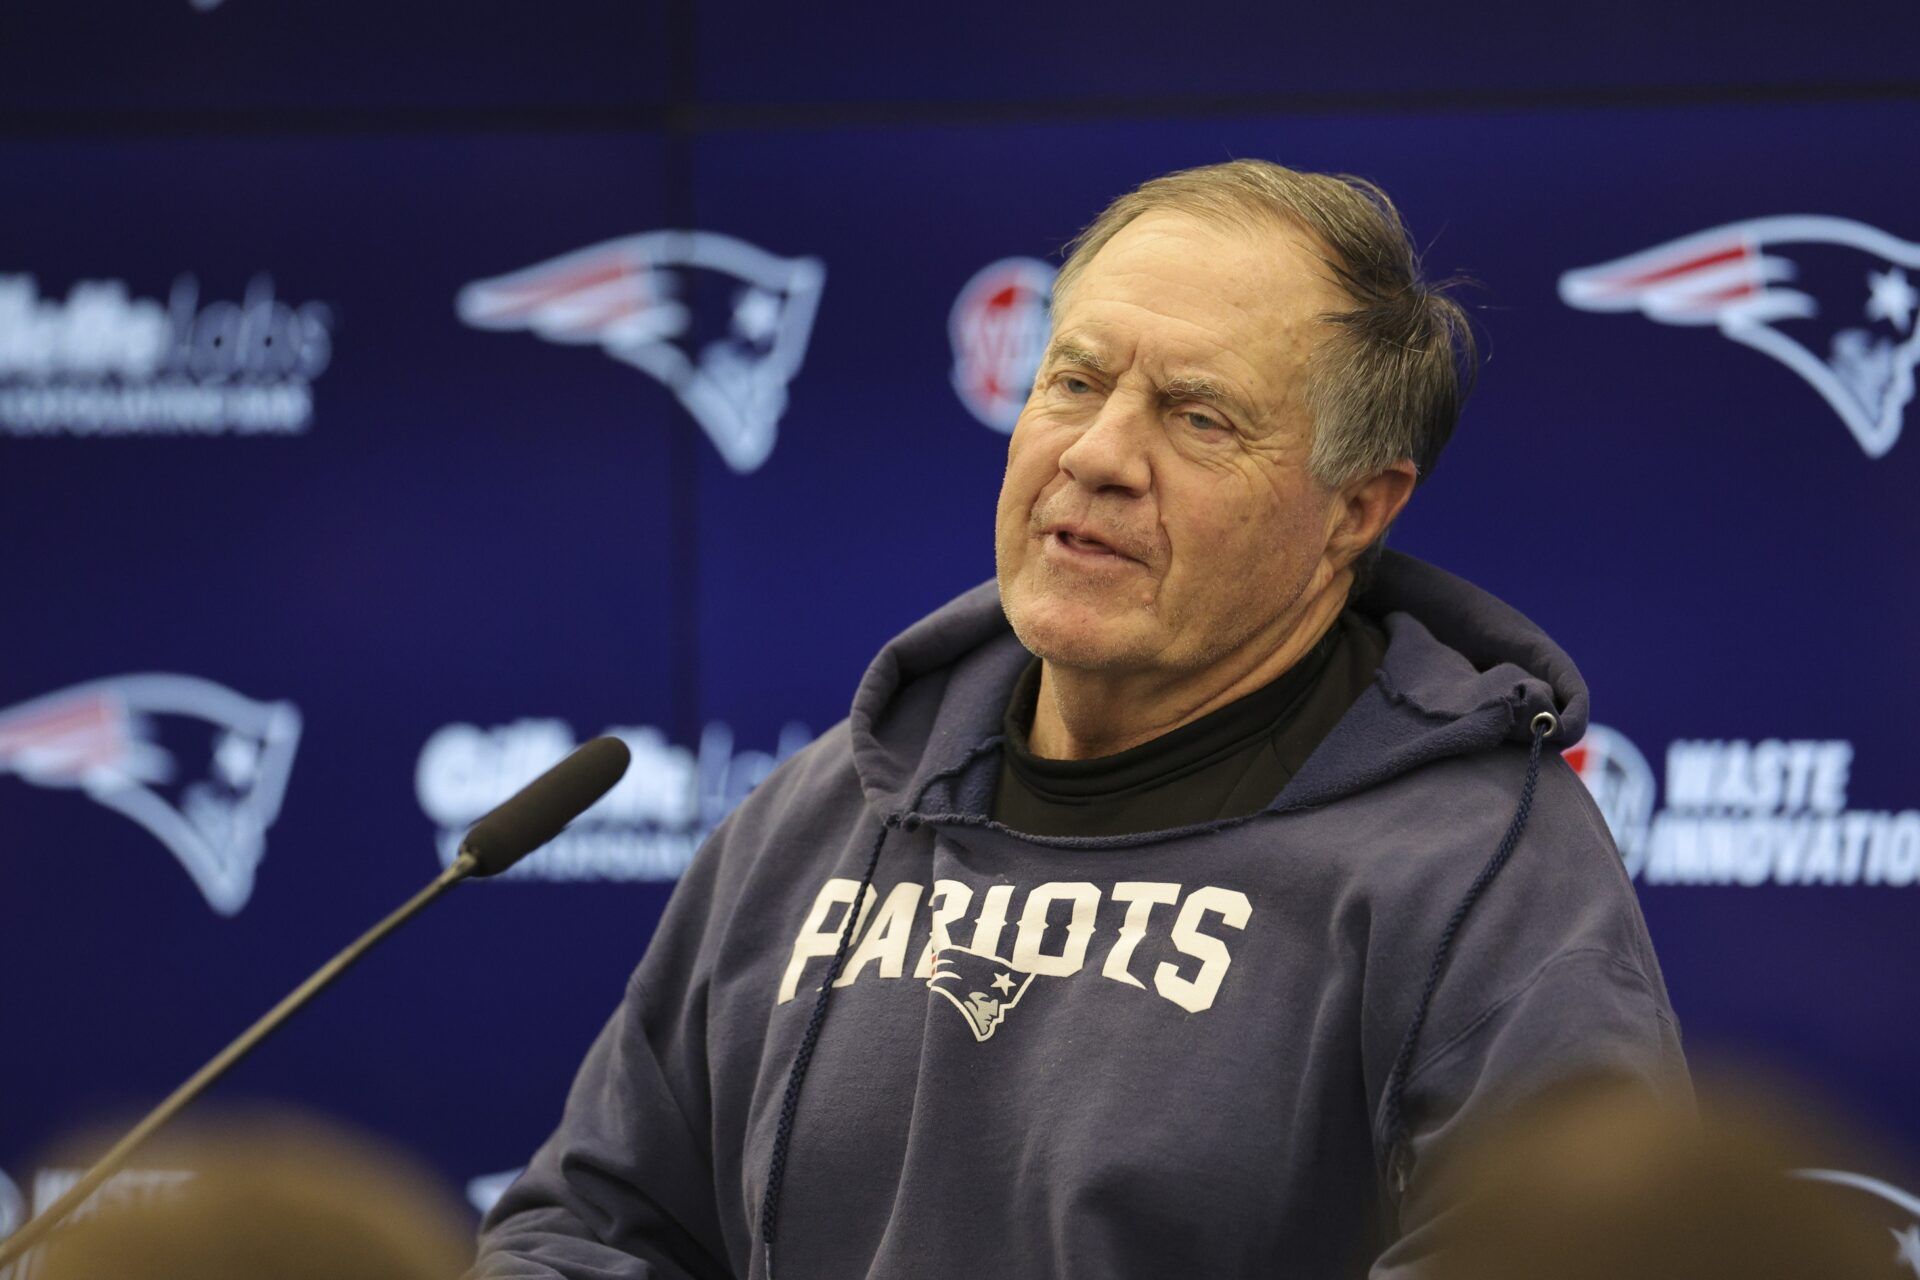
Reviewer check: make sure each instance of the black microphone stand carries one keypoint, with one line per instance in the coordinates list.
(16, 1245)
(532, 816)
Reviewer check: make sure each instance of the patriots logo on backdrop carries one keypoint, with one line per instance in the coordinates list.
(640, 299)
(1904, 1209)
(1622, 784)
(1832, 299)
(485, 1191)
(984, 988)
(13, 1207)
(199, 766)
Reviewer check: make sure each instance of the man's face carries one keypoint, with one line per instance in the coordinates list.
(1157, 513)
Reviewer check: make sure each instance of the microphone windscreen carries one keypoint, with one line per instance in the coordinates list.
(536, 813)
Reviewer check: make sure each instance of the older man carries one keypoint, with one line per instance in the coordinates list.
(1202, 899)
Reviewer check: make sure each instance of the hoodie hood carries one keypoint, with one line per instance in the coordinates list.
(1464, 672)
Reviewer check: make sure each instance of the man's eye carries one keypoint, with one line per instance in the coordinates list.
(1075, 385)
(1203, 422)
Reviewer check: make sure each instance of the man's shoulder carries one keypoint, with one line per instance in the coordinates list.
(817, 773)
(1417, 843)
(1563, 887)
(809, 796)
(1470, 800)
(783, 833)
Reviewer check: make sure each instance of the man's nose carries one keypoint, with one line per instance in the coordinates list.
(1111, 451)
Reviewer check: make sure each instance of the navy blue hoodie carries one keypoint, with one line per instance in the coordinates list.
(1232, 1049)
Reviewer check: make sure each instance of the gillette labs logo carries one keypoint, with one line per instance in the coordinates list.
(1745, 813)
(654, 300)
(105, 363)
(647, 828)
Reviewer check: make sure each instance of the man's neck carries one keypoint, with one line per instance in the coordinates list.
(1083, 714)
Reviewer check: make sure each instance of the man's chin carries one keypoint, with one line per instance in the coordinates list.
(1078, 634)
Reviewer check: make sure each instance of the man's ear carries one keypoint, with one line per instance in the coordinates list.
(1364, 508)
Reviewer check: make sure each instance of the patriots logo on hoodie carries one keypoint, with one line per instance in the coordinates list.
(199, 766)
(1830, 298)
(984, 988)
(651, 301)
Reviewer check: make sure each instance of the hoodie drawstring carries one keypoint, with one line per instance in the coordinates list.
(1399, 1148)
(783, 1131)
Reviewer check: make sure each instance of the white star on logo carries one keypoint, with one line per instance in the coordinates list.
(756, 314)
(1003, 984)
(1907, 1247)
(236, 760)
(1891, 298)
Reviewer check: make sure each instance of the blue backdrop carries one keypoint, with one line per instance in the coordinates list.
(364, 445)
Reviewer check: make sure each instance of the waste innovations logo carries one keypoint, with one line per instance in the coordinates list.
(647, 828)
(106, 363)
(640, 299)
(1904, 1206)
(1746, 813)
(998, 327)
(202, 768)
(1827, 297)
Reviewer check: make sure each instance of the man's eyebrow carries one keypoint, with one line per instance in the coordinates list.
(1196, 387)
(1065, 352)
(1184, 387)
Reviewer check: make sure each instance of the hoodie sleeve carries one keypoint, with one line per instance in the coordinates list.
(1585, 1016)
(624, 1188)
(1552, 982)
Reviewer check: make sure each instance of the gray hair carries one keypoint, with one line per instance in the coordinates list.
(1389, 382)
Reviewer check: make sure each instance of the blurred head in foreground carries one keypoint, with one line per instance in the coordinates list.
(273, 1198)
(1602, 1184)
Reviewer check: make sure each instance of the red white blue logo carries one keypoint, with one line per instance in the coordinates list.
(1832, 299)
(202, 768)
(637, 298)
(999, 326)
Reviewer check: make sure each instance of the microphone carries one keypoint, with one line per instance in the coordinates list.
(537, 812)
(530, 817)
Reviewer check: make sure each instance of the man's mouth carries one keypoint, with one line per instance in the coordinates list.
(1081, 542)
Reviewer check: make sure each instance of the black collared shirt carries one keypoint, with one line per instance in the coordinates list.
(1226, 764)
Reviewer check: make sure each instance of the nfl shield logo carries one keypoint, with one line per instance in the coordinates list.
(999, 329)
(1622, 784)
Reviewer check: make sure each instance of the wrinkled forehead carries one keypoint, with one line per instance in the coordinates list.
(1203, 287)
